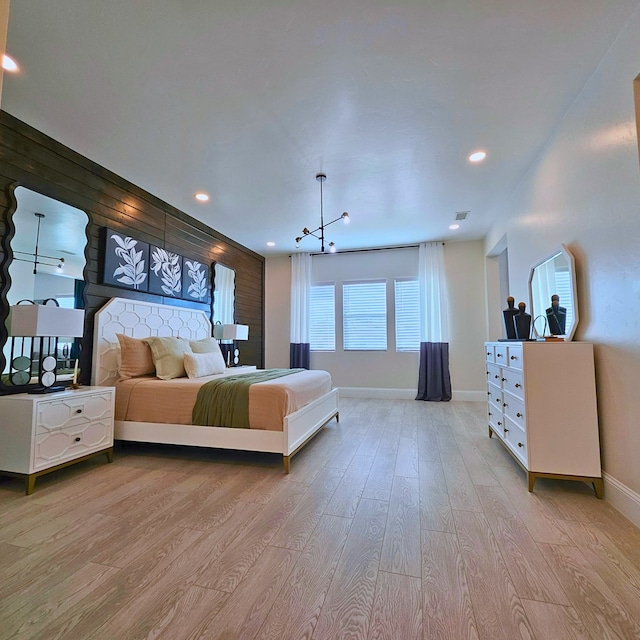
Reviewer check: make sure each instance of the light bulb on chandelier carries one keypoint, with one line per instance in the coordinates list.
(321, 177)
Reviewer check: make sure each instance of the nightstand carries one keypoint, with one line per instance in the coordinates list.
(40, 433)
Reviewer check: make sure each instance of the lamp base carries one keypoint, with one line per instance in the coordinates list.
(47, 389)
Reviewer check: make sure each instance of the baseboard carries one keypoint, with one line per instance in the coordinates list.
(624, 499)
(406, 394)
(383, 394)
(469, 396)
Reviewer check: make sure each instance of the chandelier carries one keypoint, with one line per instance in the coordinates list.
(321, 177)
(37, 258)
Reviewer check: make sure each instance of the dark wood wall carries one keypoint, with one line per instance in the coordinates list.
(33, 160)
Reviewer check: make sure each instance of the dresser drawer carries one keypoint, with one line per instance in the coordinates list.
(514, 409)
(501, 354)
(489, 352)
(71, 442)
(73, 411)
(495, 397)
(494, 375)
(512, 382)
(516, 438)
(513, 357)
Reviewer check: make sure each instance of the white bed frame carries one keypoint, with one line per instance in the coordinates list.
(144, 319)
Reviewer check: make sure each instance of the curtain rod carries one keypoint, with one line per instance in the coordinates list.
(406, 246)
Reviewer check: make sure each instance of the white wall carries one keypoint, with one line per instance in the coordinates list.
(584, 191)
(464, 264)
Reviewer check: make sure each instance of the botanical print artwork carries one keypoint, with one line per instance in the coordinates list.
(195, 284)
(125, 263)
(165, 277)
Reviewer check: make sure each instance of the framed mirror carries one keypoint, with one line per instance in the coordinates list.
(224, 295)
(47, 246)
(553, 295)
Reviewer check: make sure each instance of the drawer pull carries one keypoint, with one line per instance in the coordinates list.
(78, 410)
(78, 439)
(499, 424)
(506, 430)
(517, 385)
(503, 379)
(488, 353)
(498, 355)
(518, 415)
(490, 413)
(514, 358)
(496, 376)
(520, 444)
(504, 404)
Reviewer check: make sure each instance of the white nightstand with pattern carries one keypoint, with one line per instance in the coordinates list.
(40, 433)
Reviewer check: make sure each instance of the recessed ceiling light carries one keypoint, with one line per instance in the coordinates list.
(477, 156)
(201, 196)
(9, 64)
(271, 243)
(453, 227)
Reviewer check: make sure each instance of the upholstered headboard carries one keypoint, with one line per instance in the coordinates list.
(138, 320)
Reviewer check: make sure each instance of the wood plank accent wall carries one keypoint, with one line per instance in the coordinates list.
(33, 160)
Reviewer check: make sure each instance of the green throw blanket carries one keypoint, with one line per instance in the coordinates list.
(225, 402)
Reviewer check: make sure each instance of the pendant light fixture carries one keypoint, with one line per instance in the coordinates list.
(321, 177)
(37, 258)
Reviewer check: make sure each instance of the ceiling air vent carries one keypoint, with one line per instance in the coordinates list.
(462, 215)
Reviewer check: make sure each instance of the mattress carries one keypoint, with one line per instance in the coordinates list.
(171, 401)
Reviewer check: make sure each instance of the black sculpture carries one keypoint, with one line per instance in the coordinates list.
(522, 321)
(556, 317)
(508, 314)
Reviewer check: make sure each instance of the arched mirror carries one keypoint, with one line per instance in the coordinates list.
(553, 295)
(48, 261)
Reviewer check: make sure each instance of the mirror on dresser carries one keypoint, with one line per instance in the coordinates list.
(46, 259)
(553, 295)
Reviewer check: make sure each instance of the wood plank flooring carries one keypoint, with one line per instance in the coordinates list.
(404, 521)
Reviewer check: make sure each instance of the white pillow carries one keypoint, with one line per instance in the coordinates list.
(198, 365)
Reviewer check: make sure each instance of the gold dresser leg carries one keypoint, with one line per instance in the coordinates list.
(531, 478)
(31, 483)
(598, 487)
(285, 462)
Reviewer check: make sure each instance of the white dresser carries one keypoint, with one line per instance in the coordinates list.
(542, 406)
(40, 433)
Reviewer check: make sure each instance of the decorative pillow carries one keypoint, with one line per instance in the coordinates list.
(206, 345)
(135, 357)
(168, 356)
(198, 365)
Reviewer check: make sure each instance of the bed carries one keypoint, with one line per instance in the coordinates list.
(139, 319)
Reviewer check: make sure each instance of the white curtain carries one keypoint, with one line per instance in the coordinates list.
(434, 320)
(434, 382)
(300, 304)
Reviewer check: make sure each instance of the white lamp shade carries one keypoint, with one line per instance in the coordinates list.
(43, 320)
(231, 331)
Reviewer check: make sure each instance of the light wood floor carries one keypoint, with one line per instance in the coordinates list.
(402, 521)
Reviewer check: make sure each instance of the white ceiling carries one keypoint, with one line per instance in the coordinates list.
(249, 99)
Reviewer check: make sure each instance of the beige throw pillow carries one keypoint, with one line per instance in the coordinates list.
(168, 356)
(198, 365)
(135, 357)
(206, 345)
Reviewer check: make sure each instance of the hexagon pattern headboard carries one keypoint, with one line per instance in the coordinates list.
(138, 320)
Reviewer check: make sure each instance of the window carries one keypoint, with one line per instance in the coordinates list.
(322, 318)
(365, 315)
(407, 315)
